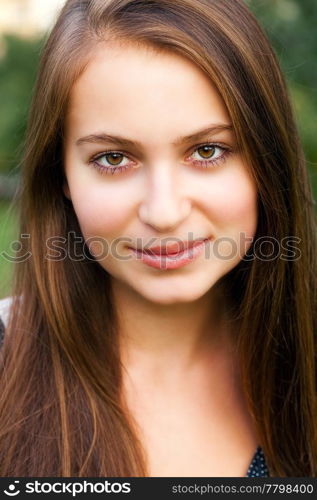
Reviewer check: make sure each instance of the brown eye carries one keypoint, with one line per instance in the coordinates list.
(206, 151)
(114, 158)
(208, 155)
(112, 162)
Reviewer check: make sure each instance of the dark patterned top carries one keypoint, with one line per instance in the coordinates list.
(1, 331)
(257, 468)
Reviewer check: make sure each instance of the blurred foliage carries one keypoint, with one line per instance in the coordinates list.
(291, 28)
(8, 237)
(18, 69)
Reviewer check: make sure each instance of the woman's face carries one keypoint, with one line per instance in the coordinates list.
(162, 189)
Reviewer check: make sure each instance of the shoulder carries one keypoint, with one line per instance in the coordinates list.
(5, 305)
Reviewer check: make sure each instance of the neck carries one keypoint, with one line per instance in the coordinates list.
(166, 339)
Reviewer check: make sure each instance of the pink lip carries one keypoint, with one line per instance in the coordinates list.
(171, 260)
(172, 249)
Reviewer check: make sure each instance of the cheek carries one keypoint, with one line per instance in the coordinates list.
(100, 212)
(233, 202)
(232, 209)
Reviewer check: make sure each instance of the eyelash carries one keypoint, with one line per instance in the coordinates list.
(201, 163)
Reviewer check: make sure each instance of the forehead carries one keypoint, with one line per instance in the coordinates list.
(135, 87)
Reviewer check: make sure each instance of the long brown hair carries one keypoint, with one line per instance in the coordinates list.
(61, 411)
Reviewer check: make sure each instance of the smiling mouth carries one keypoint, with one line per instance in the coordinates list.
(172, 249)
(172, 258)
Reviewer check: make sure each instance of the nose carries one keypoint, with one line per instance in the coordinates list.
(164, 206)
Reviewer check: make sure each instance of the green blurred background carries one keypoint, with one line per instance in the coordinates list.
(289, 24)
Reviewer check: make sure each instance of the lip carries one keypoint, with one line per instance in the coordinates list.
(173, 248)
(171, 260)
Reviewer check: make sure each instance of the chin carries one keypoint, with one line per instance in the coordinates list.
(168, 295)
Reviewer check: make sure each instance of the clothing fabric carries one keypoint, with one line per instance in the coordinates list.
(5, 305)
(4, 315)
(257, 467)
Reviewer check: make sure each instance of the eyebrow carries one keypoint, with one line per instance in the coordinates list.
(124, 142)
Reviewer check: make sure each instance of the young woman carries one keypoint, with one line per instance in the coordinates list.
(163, 312)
